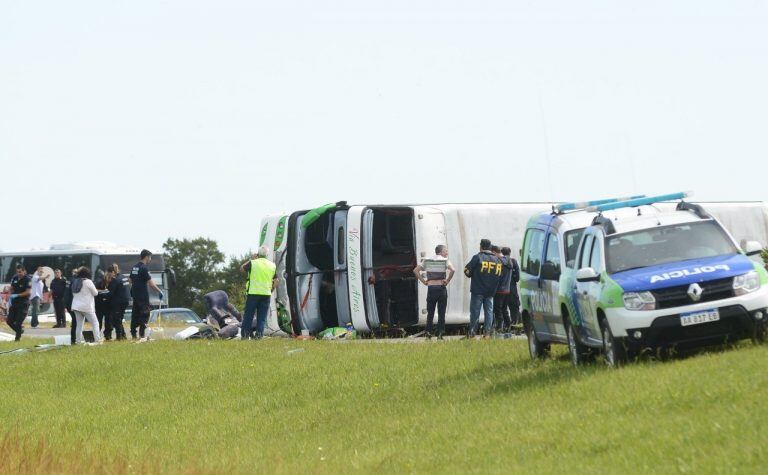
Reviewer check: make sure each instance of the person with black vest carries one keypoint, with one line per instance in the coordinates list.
(119, 294)
(140, 283)
(102, 305)
(500, 300)
(513, 302)
(21, 288)
(58, 290)
(485, 270)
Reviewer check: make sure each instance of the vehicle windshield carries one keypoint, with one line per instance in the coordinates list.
(665, 244)
(175, 316)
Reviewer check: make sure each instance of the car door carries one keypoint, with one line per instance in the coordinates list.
(531, 293)
(588, 293)
(549, 284)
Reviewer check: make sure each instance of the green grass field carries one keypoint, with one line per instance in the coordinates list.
(460, 406)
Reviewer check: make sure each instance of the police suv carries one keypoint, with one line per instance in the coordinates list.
(621, 276)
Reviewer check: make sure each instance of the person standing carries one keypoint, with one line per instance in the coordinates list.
(21, 289)
(36, 296)
(140, 283)
(513, 302)
(68, 305)
(484, 270)
(102, 305)
(58, 289)
(500, 300)
(119, 295)
(83, 303)
(439, 272)
(261, 282)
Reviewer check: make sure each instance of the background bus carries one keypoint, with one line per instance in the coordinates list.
(95, 255)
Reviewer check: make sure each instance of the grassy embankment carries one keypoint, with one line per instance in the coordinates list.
(453, 406)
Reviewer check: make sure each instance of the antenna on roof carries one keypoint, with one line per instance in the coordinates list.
(562, 207)
(631, 203)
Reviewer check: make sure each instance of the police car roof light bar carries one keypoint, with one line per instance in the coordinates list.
(639, 202)
(562, 207)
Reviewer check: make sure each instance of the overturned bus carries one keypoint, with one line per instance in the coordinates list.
(343, 265)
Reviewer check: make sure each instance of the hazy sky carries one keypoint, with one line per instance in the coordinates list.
(133, 121)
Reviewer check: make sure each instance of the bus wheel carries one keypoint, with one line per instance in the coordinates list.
(537, 349)
(613, 349)
(579, 352)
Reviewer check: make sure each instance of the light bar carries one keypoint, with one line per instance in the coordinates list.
(639, 202)
(559, 208)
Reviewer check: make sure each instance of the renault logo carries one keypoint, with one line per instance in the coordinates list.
(694, 292)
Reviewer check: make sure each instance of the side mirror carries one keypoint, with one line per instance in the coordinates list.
(549, 271)
(587, 274)
(752, 248)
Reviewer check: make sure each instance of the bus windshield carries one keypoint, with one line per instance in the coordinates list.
(665, 244)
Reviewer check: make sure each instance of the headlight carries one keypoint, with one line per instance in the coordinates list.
(746, 283)
(639, 301)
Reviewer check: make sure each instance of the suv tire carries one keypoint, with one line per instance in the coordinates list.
(613, 349)
(536, 348)
(580, 353)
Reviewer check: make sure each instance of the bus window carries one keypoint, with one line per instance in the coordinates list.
(532, 250)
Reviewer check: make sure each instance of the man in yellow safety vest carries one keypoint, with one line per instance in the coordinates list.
(261, 282)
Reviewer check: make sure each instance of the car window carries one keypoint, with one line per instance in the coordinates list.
(594, 259)
(553, 251)
(586, 248)
(532, 250)
(572, 239)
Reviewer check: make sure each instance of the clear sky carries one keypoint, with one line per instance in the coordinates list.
(133, 121)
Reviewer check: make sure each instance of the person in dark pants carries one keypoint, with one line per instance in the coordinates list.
(501, 318)
(439, 272)
(513, 302)
(119, 295)
(140, 283)
(102, 305)
(58, 290)
(261, 282)
(485, 271)
(68, 297)
(21, 288)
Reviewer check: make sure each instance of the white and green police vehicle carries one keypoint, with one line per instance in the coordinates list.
(626, 275)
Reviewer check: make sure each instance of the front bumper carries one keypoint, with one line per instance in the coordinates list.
(662, 327)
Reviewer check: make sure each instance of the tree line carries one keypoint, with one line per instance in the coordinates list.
(201, 267)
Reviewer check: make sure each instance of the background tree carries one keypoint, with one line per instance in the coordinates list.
(233, 281)
(197, 263)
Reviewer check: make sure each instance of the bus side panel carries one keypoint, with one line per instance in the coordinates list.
(355, 269)
(429, 227)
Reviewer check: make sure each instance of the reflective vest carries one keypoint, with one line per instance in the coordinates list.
(260, 277)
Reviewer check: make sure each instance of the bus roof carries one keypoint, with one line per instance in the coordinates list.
(90, 247)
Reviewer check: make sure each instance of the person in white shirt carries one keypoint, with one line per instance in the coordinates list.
(83, 304)
(439, 272)
(36, 296)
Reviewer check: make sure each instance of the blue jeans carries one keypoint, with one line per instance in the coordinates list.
(258, 304)
(475, 303)
(34, 306)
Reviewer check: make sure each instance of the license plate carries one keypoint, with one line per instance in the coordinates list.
(702, 316)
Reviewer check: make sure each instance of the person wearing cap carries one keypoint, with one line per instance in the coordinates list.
(436, 280)
(262, 280)
(141, 281)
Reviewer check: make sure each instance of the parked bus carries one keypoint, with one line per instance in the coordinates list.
(94, 255)
(354, 264)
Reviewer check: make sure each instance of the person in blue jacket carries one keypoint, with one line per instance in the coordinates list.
(485, 270)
